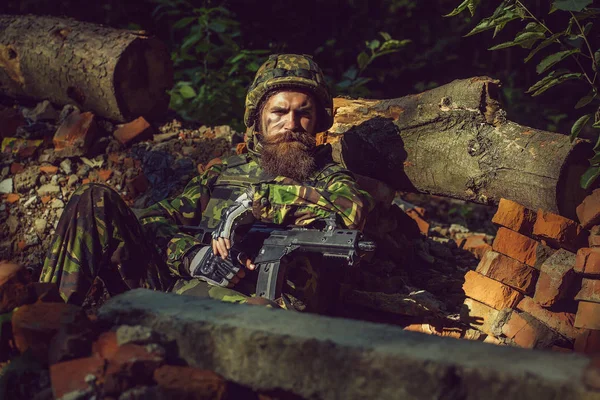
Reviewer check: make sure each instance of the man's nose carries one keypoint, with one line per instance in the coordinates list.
(292, 121)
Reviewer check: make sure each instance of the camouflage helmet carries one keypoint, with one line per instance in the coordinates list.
(285, 71)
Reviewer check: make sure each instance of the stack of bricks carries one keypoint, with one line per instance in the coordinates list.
(524, 291)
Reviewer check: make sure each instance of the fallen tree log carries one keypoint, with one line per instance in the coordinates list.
(115, 73)
(455, 141)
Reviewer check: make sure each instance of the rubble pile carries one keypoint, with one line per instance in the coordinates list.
(46, 154)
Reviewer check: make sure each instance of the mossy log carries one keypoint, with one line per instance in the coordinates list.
(115, 73)
(455, 141)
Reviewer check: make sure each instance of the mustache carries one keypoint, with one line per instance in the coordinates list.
(290, 136)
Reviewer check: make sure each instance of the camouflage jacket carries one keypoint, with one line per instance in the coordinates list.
(277, 200)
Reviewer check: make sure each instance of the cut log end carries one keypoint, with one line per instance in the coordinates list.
(569, 193)
(141, 83)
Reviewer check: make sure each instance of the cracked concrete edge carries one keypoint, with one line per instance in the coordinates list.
(333, 358)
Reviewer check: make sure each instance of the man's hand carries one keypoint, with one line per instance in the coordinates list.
(212, 268)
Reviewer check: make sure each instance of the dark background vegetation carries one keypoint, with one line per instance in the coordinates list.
(335, 32)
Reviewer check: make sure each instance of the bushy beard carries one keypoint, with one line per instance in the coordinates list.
(288, 154)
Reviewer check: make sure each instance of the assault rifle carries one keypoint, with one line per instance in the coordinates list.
(346, 245)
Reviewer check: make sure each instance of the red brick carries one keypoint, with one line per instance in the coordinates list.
(514, 216)
(482, 317)
(138, 129)
(587, 261)
(76, 133)
(34, 325)
(476, 245)
(508, 271)
(556, 278)
(588, 315)
(521, 248)
(49, 169)
(490, 292)
(562, 322)
(188, 382)
(527, 332)
(588, 211)
(587, 341)
(12, 198)
(418, 218)
(16, 168)
(70, 376)
(590, 290)
(105, 174)
(45, 199)
(559, 231)
(106, 345)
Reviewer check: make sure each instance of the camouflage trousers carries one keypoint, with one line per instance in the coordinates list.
(100, 250)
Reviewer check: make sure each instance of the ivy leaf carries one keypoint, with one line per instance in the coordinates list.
(553, 59)
(578, 125)
(572, 5)
(187, 92)
(543, 45)
(589, 176)
(585, 100)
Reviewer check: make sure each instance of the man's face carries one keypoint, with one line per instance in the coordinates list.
(289, 111)
(287, 134)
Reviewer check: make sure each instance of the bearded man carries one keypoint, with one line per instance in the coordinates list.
(101, 248)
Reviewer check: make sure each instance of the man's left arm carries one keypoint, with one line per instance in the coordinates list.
(286, 202)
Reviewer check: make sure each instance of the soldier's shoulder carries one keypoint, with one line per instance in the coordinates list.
(326, 166)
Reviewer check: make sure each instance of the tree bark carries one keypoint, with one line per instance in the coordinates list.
(117, 74)
(455, 141)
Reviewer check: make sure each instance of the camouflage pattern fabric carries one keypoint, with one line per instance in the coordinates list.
(99, 246)
(278, 200)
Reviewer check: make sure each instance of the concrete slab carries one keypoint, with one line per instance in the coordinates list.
(332, 358)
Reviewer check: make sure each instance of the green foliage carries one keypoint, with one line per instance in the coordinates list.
(212, 69)
(352, 82)
(571, 42)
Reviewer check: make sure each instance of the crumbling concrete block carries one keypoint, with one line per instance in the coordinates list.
(331, 358)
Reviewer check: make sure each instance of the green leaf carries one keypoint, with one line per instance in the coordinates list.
(472, 6)
(187, 92)
(363, 60)
(503, 46)
(217, 26)
(547, 42)
(527, 39)
(373, 44)
(505, 15)
(595, 160)
(587, 28)
(597, 126)
(585, 100)
(182, 23)
(461, 7)
(553, 59)
(572, 5)
(589, 176)
(578, 125)
(386, 36)
(547, 84)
